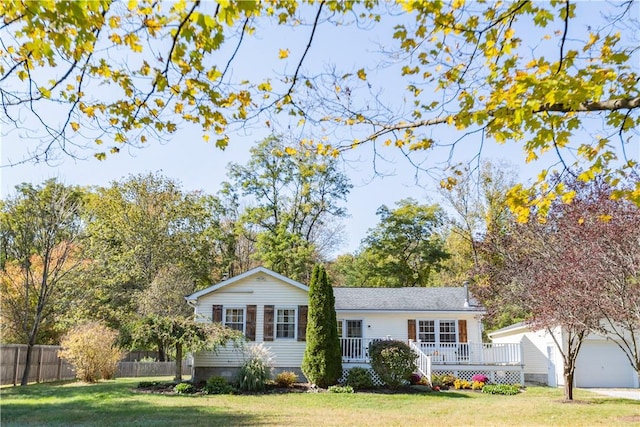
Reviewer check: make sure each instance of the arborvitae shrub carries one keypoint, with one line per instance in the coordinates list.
(322, 362)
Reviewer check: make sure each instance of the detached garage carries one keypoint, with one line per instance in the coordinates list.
(601, 363)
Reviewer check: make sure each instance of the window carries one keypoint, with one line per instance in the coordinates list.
(234, 318)
(285, 323)
(427, 331)
(448, 331)
(437, 331)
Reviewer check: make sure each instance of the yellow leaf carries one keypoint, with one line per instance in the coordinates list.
(75, 126)
(284, 53)
(361, 74)
(605, 218)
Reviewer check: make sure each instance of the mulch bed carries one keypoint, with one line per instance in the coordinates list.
(168, 388)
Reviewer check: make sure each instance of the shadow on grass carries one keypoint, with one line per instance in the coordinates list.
(112, 403)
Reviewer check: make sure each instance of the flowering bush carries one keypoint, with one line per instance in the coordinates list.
(415, 378)
(477, 385)
(481, 378)
(461, 384)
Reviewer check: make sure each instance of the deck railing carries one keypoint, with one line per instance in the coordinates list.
(356, 350)
(423, 361)
(473, 353)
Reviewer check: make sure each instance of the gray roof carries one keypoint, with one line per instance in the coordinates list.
(404, 299)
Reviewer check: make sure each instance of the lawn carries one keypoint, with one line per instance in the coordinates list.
(112, 403)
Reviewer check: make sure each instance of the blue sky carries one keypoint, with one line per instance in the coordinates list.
(201, 166)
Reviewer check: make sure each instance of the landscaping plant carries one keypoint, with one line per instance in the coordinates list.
(286, 379)
(340, 389)
(91, 349)
(184, 388)
(256, 370)
(393, 361)
(322, 361)
(217, 385)
(359, 378)
(506, 389)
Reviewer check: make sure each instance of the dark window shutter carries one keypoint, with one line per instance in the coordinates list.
(302, 322)
(462, 330)
(250, 327)
(411, 329)
(217, 314)
(268, 323)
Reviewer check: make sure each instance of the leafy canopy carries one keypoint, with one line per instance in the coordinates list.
(555, 77)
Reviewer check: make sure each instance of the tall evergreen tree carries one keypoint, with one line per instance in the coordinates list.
(322, 362)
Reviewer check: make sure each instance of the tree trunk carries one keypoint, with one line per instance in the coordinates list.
(178, 362)
(161, 354)
(27, 366)
(568, 386)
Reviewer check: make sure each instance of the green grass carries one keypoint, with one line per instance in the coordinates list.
(112, 403)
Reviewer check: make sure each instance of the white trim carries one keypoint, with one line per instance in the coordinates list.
(275, 323)
(343, 321)
(244, 275)
(235, 307)
(516, 328)
(437, 332)
(415, 312)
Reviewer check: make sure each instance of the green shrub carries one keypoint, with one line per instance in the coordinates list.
(147, 384)
(359, 378)
(217, 385)
(256, 370)
(506, 389)
(286, 379)
(184, 388)
(322, 360)
(340, 389)
(393, 361)
(91, 349)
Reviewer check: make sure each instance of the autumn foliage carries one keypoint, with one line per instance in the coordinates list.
(577, 268)
(91, 348)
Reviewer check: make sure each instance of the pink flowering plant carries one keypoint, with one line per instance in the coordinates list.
(481, 378)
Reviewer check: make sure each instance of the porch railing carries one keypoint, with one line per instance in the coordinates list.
(423, 361)
(356, 350)
(473, 353)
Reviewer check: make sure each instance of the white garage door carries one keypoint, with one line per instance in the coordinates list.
(602, 364)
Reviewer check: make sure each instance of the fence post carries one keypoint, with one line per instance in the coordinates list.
(59, 370)
(15, 367)
(39, 370)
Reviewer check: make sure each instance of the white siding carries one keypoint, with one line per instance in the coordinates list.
(534, 349)
(260, 290)
(394, 323)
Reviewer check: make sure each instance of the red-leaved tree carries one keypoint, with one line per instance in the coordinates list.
(574, 271)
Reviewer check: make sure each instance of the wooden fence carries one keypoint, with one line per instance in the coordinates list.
(47, 366)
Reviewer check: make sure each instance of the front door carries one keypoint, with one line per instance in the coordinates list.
(350, 332)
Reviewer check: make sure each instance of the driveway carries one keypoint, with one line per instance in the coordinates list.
(624, 393)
